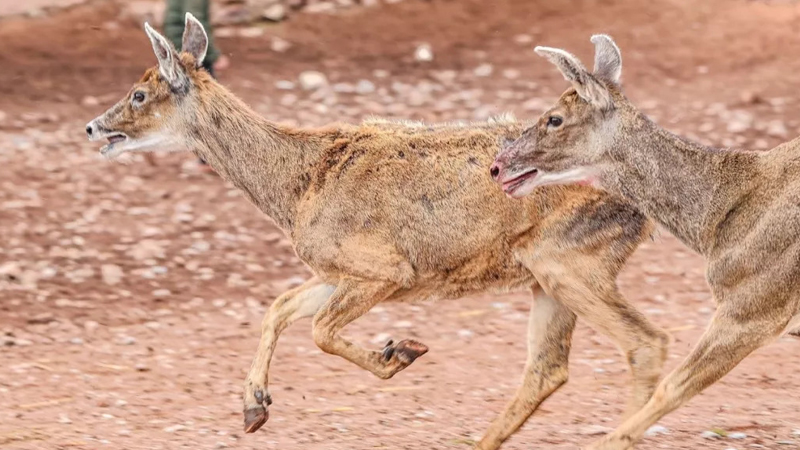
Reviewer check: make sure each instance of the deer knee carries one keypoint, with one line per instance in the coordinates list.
(323, 336)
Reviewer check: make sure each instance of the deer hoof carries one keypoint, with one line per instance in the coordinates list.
(406, 351)
(255, 418)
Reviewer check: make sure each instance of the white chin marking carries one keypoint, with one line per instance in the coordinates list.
(147, 143)
(580, 175)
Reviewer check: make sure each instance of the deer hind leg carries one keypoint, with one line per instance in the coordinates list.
(588, 287)
(302, 301)
(351, 300)
(550, 328)
(726, 342)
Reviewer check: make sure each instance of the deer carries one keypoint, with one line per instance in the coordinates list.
(737, 208)
(388, 211)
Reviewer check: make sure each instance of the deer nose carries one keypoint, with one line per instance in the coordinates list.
(494, 171)
(89, 130)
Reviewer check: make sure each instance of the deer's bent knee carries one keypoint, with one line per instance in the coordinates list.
(323, 336)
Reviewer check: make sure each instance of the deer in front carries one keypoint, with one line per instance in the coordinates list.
(737, 208)
(387, 211)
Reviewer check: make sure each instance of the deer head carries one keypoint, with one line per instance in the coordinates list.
(570, 142)
(158, 106)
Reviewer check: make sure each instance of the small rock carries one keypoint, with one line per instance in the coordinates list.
(484, 70)
(594, 430)
(776, 128)
(710, 435)
(111, 273)
(251, 32)
(523, 39)
(381, 338)
(141, 367)
(76, 341)
(63, 418)
(656, 430)
(311, 80)
(365, 87)
(90, 101)
(284, 85)
(275, 13)
(174, 428)
(737, 436)
(279, 45)
(785, 442)
(796, 432)
(162, 293)
(465, 333)
(126, 340)
(423, 53)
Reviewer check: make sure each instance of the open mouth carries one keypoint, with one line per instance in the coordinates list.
(513, 184)
(113, 139)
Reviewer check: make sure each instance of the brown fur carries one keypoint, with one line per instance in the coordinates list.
(739, 209)
(387, 211)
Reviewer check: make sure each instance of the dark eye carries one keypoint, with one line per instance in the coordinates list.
(554, 121)
(138, 96)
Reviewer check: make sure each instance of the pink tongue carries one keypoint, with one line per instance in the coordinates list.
(115, 139)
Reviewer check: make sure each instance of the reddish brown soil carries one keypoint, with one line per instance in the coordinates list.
(156, 361)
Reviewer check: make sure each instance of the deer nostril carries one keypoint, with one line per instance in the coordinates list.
(89, 130)
(494, 171)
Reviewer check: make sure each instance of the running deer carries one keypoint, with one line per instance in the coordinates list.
(739, 209)
(387, 211)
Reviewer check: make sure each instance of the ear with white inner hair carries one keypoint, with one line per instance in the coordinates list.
(195, 39)
(585, 84)
(607, 58)
(168, 64)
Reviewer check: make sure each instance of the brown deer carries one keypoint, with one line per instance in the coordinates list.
(739, 209)
(387, 211)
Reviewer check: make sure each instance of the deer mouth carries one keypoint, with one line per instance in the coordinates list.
(512, 185)
(113, 139)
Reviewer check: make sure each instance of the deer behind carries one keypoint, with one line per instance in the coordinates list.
(397, 212)
(739, 209)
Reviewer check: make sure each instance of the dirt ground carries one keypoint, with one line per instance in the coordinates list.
(131, 294)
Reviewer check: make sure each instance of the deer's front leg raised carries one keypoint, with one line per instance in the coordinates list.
(302, 301)
(550, 328)
(352, 299)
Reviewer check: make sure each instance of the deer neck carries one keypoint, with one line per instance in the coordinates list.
(691, 189)
(270, 164)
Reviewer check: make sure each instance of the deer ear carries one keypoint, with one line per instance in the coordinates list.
(586, 85)
(168, 64)
(195, 39)
(607, 58)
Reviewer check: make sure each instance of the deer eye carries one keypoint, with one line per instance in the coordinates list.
(138, 96)
(554, 121)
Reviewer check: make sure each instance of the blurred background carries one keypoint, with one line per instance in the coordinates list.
(131, 293)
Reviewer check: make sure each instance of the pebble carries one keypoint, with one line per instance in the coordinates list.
(162, 293)
(594, 430)
(279, 45)
(656, 430)
(484, 70)
(275, 13)
(710, 435)
(284, 85)
(737, 436)
(423, 53)
(76, 341)
(111, 274)
(311, 80)
(365, 87)
(776, 128)
(786, 442)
